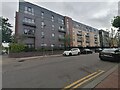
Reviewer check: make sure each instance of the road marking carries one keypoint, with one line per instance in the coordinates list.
(83, 80)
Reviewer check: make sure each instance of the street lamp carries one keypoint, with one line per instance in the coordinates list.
(52, 46)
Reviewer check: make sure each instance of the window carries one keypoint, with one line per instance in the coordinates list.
(53, 35)
(42, 33)
(62, 21)
(32, 21)
(53, 26)
(61, 28)
(52, 18)
(30, 45)
(42, 24)
(25, 31)
(29, 10)
(29, 31)
(42, 13)
(52, 45)
(29, 20)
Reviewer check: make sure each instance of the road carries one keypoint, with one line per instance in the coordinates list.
(51, 72)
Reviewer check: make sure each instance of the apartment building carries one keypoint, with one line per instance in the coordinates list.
(38, 27)
(84, 35)
(104, 38)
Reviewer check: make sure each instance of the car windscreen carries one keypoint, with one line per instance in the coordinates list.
(108, 50)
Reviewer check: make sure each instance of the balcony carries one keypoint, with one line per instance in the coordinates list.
(87, 41)
(95, 37)
(87, 35)
(29, 24)
(62, 30)
(29, 35)
(79, 40)
(96, 42)
(61, 38)
(79, 34)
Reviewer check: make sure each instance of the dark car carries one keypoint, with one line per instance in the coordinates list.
(86, 51)
(98, 50)
(110, 54)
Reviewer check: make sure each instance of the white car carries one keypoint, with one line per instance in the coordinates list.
(73, 51)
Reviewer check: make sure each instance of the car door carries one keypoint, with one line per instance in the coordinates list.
(73, 51)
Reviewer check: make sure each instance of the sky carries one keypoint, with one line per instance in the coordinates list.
(95, 13)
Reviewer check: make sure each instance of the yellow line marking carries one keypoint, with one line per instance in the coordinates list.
(87, 80)
(78, 81)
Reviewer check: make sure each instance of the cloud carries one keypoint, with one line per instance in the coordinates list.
(96, 14)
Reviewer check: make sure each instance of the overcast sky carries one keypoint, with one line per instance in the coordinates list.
(96, 13)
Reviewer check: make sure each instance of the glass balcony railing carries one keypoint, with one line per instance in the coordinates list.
(29, 24)
(61, 30)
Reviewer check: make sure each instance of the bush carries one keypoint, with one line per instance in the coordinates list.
(16, 47)
(27, 49)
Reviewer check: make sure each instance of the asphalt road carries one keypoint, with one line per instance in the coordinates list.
(51, 72)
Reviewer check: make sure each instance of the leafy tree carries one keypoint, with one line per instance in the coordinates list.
(67, 41)
(6, 30)
(116, 22)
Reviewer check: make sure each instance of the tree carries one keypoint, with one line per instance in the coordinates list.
(6, 30)
(67, 41)
(116, 22)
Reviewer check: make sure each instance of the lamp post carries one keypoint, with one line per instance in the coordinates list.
(52, 46)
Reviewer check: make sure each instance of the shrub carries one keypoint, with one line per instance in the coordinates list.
(16, 47)
(27, 49)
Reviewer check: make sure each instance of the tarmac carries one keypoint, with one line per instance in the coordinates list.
(110, 80)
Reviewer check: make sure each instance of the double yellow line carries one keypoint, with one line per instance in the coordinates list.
(78, 83)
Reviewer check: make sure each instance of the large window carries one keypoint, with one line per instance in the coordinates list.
(29, 10)
(29, 20)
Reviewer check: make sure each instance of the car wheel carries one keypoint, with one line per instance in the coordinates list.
(101, 59)
(78, 53)
(70, 54)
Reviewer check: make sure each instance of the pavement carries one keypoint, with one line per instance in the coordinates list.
(108, 80)
(111, 81)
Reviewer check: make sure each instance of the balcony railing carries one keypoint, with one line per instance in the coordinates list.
(61, 38)
(29, 24)
(61, 30)
(87, 35)
(96, 42)
(87, 41)
(79, 34)
(29, 35)
(79, 40)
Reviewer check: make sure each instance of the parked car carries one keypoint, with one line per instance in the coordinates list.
(110, 54)
(98, 50)
(73, 51)
(86, 51)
